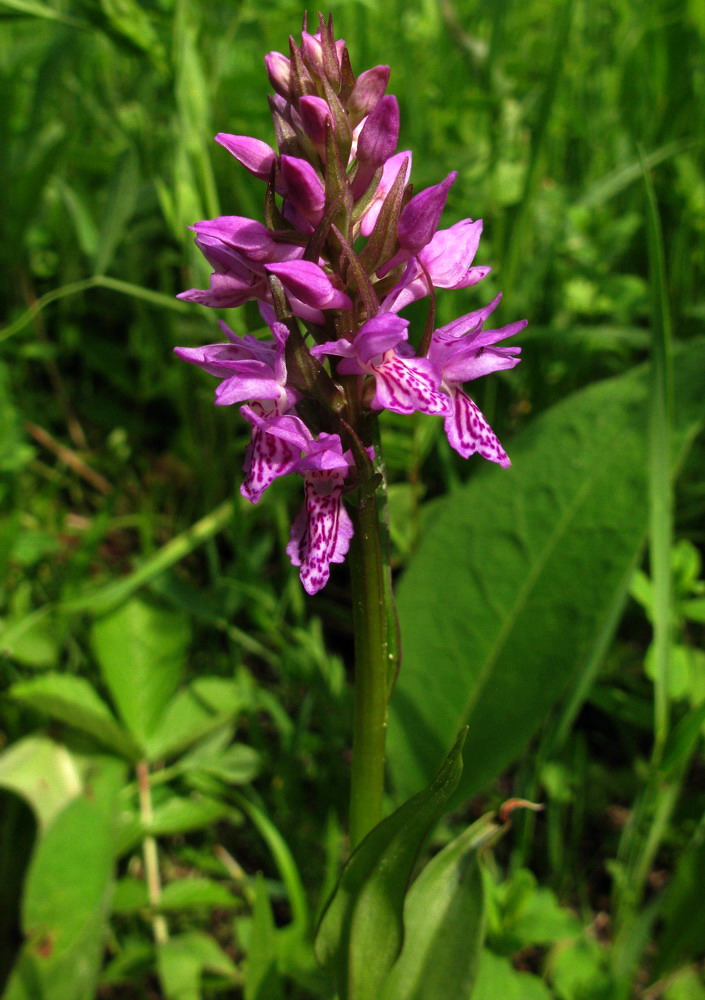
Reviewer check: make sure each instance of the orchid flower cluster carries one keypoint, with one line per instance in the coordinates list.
(345, 246)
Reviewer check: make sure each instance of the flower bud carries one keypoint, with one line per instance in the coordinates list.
(380, 133)
(367, 93)
(255, 155)
(310, 283)
(279, 72)
(419, 220)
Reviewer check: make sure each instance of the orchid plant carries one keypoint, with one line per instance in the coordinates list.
(346, 245)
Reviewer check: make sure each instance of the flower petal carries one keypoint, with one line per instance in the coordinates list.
(310, 284)
(322, 531)
(268, 455)
(379, 334)
(468, 431)
(255, 155)
(408, 384)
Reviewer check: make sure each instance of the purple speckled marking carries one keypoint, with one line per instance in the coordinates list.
(267, 457)
(322, 530)
(405, 385)
(468, 431)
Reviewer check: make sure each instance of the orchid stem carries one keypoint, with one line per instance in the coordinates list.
(371, 671)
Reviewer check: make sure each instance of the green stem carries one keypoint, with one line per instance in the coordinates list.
(371, 671)
(150, 855)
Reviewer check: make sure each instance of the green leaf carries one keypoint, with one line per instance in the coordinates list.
(444, 923)
(124, 187)
(497, 980)
(141, 649)
(182, 894)
(522, 913)
(182, 959)
(517, 586)
(179, 815)
(683, 915)
(361, 931)
(262, 980)
(44, 773)
(130, 895)
(237, 765)
(580, 970)
(67, 896)
(32, 640)
(135, 958)
(193, 713)
(196, 893)
(73, 701)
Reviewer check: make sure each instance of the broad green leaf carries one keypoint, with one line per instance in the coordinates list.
(44, 773)
(130, 895)
(361, 931)
(135, 958)
(182, 959)
(683, 916)
(72, 700)
(579, 970)
(119, 209)
(237, 765)
(686, 984)
(67, 896)
(176, 815)
(182, 894)
(141, 649)
(179, 815)
(193, 713)
(262, 980)
(517, 585)
(498, 980)
(443, 923)
(32, 640)
(521, 913)
(196, 893)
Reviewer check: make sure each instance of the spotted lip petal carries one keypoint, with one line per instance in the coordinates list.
(468, 431)
(268, 454)
(321, 533)
(407, 384)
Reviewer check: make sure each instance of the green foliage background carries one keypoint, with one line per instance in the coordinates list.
(133, 573)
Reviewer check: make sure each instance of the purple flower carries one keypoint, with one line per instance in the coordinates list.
(321, 532)
(403, 384)
(447, 261)
(274, 449)
(463, 351)
(253, 370)
(345, 248)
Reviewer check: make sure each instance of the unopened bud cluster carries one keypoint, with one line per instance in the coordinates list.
(345, 246)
